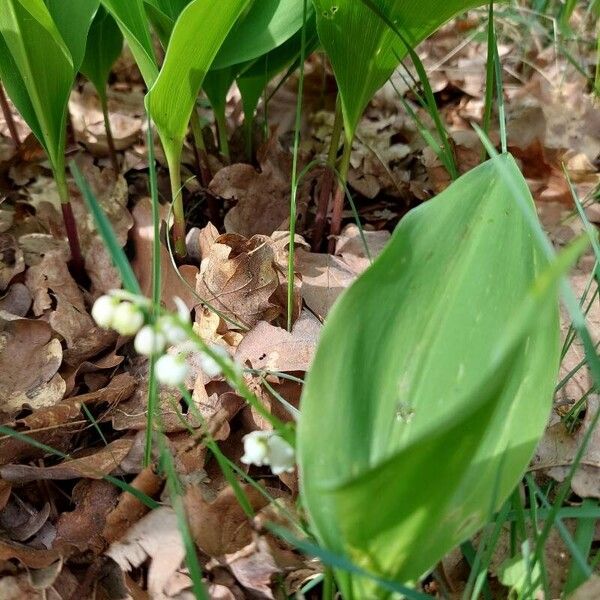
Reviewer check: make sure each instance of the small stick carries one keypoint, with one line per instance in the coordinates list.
(338, 198)
(8, 117)
(109, 135)
(327, 180)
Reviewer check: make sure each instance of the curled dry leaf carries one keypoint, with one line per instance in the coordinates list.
(263, 197)
(20, 521)
(155, 537)
(11, 259)
(130, 509)
(94, 465)
(239, 277)
(17, 300)
(557, 450)
(221, 527)
(82, 527)
(29, 361)
(275, 349)
(56, 294)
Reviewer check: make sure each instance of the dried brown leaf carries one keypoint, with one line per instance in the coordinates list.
(29, 361)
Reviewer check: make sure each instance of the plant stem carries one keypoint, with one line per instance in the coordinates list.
(178, 213)
(69, 220)
(109, 135)
(327, 179)
(202, 164)
(222, 133)
(8, 117)
(338, 198)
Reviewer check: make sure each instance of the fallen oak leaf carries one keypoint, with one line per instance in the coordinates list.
(29, 361)
(11, 259)
(238, 278)
(271, 348)
(221, 527)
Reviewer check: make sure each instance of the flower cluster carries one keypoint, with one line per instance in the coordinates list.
(129, 314)
(268, 448)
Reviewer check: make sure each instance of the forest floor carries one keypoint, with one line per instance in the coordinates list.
(67, 533)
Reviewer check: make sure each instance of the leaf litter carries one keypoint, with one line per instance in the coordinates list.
(83, 391)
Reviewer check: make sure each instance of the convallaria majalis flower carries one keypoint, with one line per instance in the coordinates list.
(268, 448)
(129, 314)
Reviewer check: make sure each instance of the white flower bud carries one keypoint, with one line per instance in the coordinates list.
(208, 364)
(268, 448)
(183, 312)
(256, 448)
(171, 369)
(103, 311)
(281, 455)
(149, 341)
(127, 318)
(173, 332)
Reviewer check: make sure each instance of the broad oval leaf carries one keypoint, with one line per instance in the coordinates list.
(37, 71)
(105, 42)
(267, 25)
(364, 51)
(196, 38)
(415, 397)
(131, 17)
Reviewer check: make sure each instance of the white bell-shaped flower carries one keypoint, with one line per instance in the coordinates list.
(103, 310)
(149, 341)
(171, 369)
(209, 365)
(256, 448)
(281, 455)
(172, 331)
(127, 318)
(268, 448)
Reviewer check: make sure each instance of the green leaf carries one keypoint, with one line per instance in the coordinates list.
(132, 20)
(196, 38)
(37, 70)
(105, 42)
(255, 76)
(433, 401)
(266, 25)
(364, 51)
(169, 8)
(73, 19)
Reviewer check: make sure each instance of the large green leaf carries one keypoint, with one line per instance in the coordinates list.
(266, 25)
(105, 42)
(196, 38)
(132, 20)
(37, 71)
(73, 19)
(364, 51)
(433, 400)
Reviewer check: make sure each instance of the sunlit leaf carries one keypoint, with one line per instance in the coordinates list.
(266, 25)
(196, 38)
(132, 20)
(433, 400)
(364, 51)
(37, 71)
